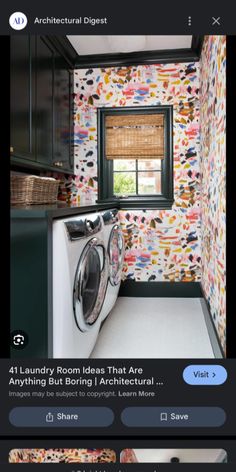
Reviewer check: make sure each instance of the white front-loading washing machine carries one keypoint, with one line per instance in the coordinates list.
(80, 275)
(114, 242)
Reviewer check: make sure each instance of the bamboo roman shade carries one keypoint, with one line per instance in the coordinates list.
(134, 136)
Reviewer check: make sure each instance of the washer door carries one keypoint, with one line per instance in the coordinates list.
(90, 284)
(116, 249)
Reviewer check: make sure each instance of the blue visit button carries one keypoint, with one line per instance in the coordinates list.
(205, 375)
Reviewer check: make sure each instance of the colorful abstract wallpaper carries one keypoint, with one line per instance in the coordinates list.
(67, 456)
(213, 177)
(160, 245)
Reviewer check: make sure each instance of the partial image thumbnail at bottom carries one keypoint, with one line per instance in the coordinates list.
(94, 456)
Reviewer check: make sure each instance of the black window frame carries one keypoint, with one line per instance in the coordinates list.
(105, 167)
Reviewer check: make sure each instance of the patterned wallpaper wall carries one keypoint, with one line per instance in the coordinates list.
(160, 245)
(213, 170)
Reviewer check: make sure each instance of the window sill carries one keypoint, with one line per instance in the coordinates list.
(140, 203)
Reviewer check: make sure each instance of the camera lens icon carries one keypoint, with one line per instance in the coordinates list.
(19, 339)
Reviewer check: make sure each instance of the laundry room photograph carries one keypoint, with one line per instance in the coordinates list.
(118, 196)
(173, 456)
(62, 456)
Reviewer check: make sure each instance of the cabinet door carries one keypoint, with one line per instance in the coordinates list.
(23, 96)
(44, 103)
(62, 157)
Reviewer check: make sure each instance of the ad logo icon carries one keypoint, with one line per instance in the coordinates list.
(18, 20)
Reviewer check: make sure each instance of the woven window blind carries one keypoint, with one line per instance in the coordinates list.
(134, 136)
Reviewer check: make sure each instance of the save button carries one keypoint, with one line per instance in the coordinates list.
(205, 375)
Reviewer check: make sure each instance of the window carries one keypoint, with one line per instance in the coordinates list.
(135, 156)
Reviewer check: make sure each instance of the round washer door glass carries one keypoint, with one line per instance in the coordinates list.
(116, 255)
(90, 284)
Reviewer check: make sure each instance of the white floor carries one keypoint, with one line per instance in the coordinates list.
(156, 328)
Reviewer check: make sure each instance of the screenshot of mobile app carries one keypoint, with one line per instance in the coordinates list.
(119, 340)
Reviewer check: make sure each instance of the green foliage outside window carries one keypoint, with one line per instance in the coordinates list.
(124, 184)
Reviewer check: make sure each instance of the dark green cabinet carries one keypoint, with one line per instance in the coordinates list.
(23, 75)
(44, 103)
(41, 85)
(31, 286)
(62, 156)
